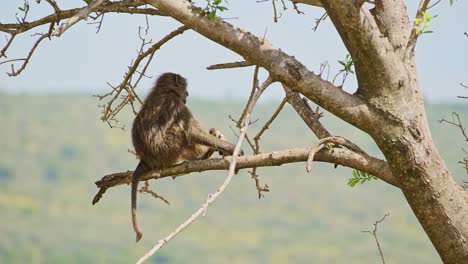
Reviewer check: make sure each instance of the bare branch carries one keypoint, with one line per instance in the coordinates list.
(310, 117)
(267, 125)
(230, 65)
(340, 156)
(456, 122)
(82, 14)
(26, 60)
(252, 93)
(5, 48)
(146, 189)
(374, 233)
(319, 20)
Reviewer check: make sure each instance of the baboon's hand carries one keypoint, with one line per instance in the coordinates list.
(215, 132)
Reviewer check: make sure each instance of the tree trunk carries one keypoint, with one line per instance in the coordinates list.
(438, 202)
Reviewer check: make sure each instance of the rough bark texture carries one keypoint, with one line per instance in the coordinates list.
(388, 105)
(388, 81)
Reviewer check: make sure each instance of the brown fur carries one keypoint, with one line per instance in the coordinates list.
(165, 133)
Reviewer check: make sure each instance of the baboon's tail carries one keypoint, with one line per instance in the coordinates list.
(139, 171)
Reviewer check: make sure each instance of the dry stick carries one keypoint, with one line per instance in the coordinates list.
(146, 189)
(257, 149)
(212, 198)
(457, 123)
(84, 13)
(374, 233)
(254, 88)
(267, 125)
(335, 140)
(230, 65)
(26, 60)
(5, 48)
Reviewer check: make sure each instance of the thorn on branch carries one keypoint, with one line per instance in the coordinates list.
(319, 20)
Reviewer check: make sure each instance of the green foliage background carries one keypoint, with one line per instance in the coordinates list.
(53, 148)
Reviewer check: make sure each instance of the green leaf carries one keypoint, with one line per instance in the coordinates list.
(22, 9)
(352, 182)
(355, 173)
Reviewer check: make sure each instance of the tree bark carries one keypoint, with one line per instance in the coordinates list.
(388, 82)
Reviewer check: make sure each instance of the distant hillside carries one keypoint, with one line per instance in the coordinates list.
(54, 148)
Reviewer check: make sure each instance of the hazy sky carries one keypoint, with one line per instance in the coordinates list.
(83, 61)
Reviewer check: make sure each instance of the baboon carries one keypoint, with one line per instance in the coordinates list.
(165, 133)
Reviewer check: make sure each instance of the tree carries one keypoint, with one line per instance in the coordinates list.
(388, 104)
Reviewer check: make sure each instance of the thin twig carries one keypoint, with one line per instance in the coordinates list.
(146, 189)
(456, 122)
(230, 65)
(254, 88)
(319, 20)
(374, 233)
(267, 125)
(5, 48)
(26, 60)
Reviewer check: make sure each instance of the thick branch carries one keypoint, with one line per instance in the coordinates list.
(340, 156)
(281, 66)
(374, 53)
(310, 117)
(126, 6)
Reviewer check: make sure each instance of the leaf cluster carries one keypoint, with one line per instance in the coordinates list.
(347, 64)
(360, 177)
(212, 6)
(423, 23)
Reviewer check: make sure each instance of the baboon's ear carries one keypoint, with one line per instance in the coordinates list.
(177, 79)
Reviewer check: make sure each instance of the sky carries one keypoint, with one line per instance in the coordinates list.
(82, 61)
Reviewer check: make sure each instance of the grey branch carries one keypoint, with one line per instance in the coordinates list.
(340, 156)
(82, 14)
